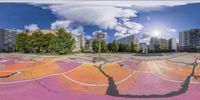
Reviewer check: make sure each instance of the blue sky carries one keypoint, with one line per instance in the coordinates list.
(118, 19)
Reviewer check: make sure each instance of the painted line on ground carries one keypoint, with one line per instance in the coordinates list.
(95, 84)
(34, 78)
(98, 85)
(151, 72)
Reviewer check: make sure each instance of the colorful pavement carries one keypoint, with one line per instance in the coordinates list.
(59, 79)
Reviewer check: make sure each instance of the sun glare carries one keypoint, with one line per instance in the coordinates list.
(156, 33)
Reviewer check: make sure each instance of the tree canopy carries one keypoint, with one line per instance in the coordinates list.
(124, 48)
(113, 47)
(61, 42)
(133, 47)
(22, 41)
(95, 46)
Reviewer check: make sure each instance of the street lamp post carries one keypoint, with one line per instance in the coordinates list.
(99, 48)
(100, 35)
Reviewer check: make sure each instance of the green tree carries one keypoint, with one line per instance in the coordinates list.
(63, 43)
(104, 48)
(109, 46)
(47, 38)
(124, 48)
(134, 47)
(22, 42)
(60, 43)
(113, 47)
(36, 42)
(95, 46)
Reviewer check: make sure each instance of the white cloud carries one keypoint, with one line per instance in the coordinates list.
(128, 28)
(67, 25)
(102, 16)
(171, 30)
(60, 24)
(31, 27)
(101, 13)
(146, 3)
(120, 30)
(99, 31)
(166, 33)
(133, 27)
(87, 37)
(145, 40)
(78, 31)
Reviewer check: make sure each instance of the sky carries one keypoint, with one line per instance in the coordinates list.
(163, 19)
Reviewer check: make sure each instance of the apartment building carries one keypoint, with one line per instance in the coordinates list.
(7, 40)
(189, 40)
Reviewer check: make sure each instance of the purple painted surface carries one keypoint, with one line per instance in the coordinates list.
(67, 65)
(50, 89)
(193, 93)
(133, 64)
(147, 83)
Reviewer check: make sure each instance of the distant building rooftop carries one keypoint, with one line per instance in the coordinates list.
(44, 31)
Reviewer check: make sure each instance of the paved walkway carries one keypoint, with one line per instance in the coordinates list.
(61, 78)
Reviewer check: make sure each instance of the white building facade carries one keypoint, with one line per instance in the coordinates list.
(7, 40)
(189, 40)
(172, 44)
(128, 40)
(143, 47)
(163, 44)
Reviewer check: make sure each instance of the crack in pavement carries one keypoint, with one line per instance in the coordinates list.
(112, 87)
(41, 83)
(196, 77)
(113, 91)
(7, 76)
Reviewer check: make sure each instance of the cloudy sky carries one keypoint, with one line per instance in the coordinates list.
(118, 18)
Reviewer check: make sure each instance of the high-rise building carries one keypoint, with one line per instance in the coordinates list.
(128, 40)
(143, 47)
(89, 44)
(1, 40)
(189, 40)
(162, 44)
(7, 40)
(79, 42)
(154, 41)
(172, 44)
(184, 40)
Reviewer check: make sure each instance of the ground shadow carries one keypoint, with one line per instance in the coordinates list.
(7, 76)
(113, 91)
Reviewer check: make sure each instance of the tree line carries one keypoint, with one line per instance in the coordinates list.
(113, 47)
(61, 42)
